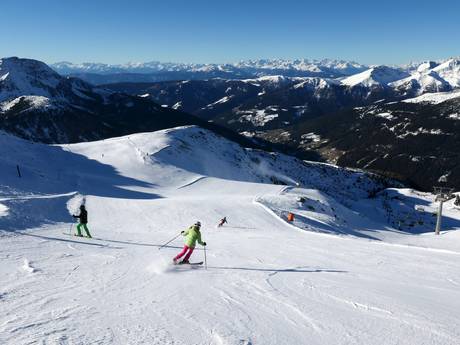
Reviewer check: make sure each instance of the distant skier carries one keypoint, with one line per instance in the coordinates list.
(222, 222)
(193, 235)
(83, 220)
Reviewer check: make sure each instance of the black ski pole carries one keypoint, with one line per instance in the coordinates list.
(164, 245)
(205, 263)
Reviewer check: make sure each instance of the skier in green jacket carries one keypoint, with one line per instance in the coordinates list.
(193, 235)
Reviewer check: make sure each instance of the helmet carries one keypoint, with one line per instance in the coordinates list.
(198, 223)
(82, 207)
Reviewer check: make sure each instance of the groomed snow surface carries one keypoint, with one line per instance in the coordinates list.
(434, 98)
(349, 270)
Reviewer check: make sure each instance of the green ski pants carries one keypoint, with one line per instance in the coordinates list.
(84, 227)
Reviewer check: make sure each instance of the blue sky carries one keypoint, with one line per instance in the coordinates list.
(116, 31)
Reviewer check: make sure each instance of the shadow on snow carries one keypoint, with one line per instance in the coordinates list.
(279, 270)
(52, 171)
(49, 238)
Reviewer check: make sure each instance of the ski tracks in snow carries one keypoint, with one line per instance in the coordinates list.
(40, 304)
(277, 290)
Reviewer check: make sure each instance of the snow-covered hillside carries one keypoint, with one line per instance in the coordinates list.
(450, 71)
(428, 76)
(359, 264)
(26, 78)
(380, 75)
(434, 97)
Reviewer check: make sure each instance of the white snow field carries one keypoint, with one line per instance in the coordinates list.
(349, 270)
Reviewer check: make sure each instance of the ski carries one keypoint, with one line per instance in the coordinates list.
(195, 263)
(189, 263)
(66, 233)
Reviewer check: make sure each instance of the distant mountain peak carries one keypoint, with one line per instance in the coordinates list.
(427, 65)
(376, 76)
(19, 77)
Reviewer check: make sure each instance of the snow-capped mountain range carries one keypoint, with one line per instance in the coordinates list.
(305, 116)
(255, 67)
(38, 104)
(429, 76)
(315, 117)
(269, 102)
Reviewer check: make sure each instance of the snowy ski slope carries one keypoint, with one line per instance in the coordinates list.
(350, 270)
